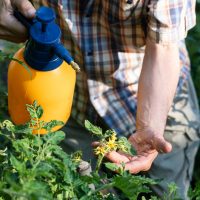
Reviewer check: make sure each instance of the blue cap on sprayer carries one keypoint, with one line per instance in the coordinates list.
(44, 50)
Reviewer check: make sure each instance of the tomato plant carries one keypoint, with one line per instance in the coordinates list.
(35, 166)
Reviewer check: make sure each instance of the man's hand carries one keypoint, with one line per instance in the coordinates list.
(10, 28)
(147, 144)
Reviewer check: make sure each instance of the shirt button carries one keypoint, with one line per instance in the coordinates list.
(89, 53)
(129, 1)
(88, 15)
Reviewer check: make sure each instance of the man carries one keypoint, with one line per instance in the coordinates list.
(131, 57)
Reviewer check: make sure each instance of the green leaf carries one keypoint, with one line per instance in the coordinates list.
(34, 110)
(108, 133)
(53, 123)
(37, 141)
(10, 57)
(31, 111)
(8, 125)
(111, 166)
(37, 190)
(44, 169)
(39, 112)
(23, 64)
(3, 152)
(132, 186)
(18, 165)
(92, 128)
(23, 147)
(23, 129)
(172, 192)
(55, 137)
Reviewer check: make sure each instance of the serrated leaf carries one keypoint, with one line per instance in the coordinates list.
(37, 190)
(8, 125)
(22, 146)
(35, 104)
(132, 186)
(43, 169)
(37, 141)
(55, 137)
(111, 166)
(108, 133)
(23, 129)
(31, 111)
(18, 165)
(53, 123)
(92, 128)
(34, 110)
(39, 112)
(3, 152)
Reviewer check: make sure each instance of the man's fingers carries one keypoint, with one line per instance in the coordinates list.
(133, 164)
(162, 146)
(15, 27)
(95, 144)
(12, 30)
(137, 166)
(25, 7)
(155, 142)
(141, 163)
(116, 157)
(12, 38)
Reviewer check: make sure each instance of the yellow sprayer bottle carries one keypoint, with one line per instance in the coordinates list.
(50, 79)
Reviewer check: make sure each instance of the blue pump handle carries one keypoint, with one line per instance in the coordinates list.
(45, 16)
(50, 16)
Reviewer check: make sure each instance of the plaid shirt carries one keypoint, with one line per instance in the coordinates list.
(107, 39)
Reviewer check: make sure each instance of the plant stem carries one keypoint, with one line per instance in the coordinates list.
(99, 161)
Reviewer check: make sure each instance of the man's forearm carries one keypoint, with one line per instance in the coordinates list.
(157, 85)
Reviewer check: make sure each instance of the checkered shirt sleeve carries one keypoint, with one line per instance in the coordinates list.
(170, 20)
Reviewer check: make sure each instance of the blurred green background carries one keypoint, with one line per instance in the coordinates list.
(193, 46)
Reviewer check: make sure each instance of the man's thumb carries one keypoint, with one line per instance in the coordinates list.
(25, 7)
(162, 146)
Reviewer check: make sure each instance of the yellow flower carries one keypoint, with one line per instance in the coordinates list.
(100, 150)
(111, 144)
(77, 158)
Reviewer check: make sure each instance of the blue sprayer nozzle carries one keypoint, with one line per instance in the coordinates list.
(44, 50)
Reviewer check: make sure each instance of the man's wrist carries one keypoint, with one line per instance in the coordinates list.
(150, 126)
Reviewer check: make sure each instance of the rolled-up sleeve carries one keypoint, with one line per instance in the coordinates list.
(170, 20)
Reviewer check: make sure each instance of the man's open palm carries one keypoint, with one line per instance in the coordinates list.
(147, 147)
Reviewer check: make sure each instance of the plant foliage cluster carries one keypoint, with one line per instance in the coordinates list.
(35, 167)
